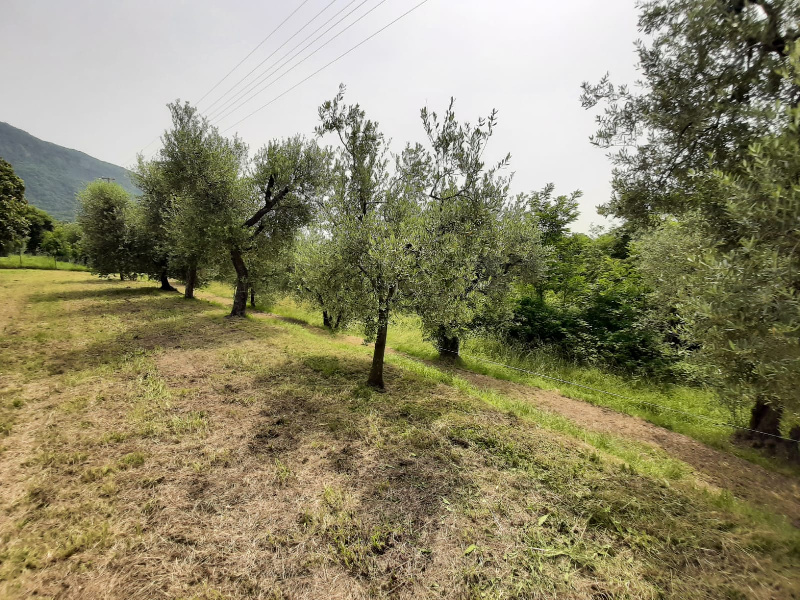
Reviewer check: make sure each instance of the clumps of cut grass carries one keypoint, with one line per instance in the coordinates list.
(191, 422)
(131, 460)
(282, 472)
(351, 541)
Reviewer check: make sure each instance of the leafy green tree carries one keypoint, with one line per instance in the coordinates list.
(475, 239)
(155, 207)
(710, 72)
(203, 172)
(373, 216)
(107, 218)
(321, 276)
(13, 207)
(740, 300)
(277, 200)
(39, 222)
(55, 244)
(73, 234)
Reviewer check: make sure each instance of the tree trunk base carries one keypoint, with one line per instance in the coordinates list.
(166, 286)
(448, 346)
(191, 280)
(765, 420)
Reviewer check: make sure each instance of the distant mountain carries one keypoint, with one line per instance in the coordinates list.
(53, 174)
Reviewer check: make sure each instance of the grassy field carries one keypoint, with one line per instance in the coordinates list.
(642, 396)
(152, 448)
(37, 262)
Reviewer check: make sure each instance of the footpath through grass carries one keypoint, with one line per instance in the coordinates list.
(153, 448)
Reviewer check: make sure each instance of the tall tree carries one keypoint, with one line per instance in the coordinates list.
(284, 181)
(155, 207)
(107, 216)
(13, 206)
(203, 172)
(373, 215)
(476, 238)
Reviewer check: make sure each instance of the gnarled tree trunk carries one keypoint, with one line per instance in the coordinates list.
(765, 421)
(376, 372)
(191, 281)
(242, 284)
(165, 284)
(326, 320)
(448, 346)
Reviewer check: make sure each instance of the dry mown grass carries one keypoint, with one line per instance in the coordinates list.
(153, 448)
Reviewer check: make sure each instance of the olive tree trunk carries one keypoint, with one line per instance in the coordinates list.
(447, 345)
(239, 308)
(191, 281)
(165, 284)
(376, 372)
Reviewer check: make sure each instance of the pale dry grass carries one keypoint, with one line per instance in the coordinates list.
(160, 450)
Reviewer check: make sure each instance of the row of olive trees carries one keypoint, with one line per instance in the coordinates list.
(356, 230)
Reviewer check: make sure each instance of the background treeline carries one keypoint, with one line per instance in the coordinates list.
(699, 283)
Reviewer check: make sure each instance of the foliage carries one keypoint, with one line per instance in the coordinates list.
(476, 239)
(373, 217)
(740, 299)
(595, 309)
(710, 71)
(107, 219)
(13, 207)
(55, 243)
(321, 276)
(203, 172)
(39, 222)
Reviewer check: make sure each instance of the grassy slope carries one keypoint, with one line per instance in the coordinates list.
(405, 336)
(153, 448)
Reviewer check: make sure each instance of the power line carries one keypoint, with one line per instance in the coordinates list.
(311, 20)
(261, 43)
(272, 71)
(629, 399)
(342, 55)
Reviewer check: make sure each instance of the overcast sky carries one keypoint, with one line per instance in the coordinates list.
(95, 75)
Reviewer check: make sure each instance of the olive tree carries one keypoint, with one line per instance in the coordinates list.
(477, 240)
(373, 214)
(107, 217)
(322, 276)
(279, 192)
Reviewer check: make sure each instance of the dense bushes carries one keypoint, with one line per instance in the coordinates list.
(597, 311)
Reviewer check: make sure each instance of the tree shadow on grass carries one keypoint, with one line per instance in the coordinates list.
(103, 294)
(164, 323)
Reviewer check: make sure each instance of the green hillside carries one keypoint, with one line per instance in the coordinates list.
(53, 174)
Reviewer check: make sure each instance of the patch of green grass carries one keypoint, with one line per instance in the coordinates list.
(28, 261)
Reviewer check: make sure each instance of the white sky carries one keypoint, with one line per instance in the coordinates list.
(95, 75)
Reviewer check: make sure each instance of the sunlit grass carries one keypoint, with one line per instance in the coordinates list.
(27, 261)
(642, 397)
